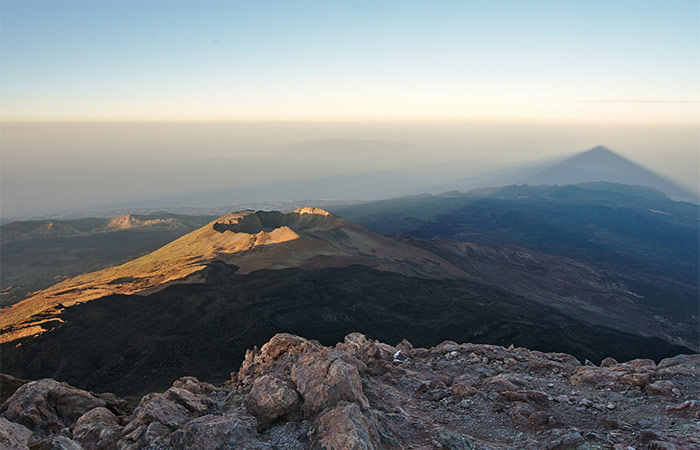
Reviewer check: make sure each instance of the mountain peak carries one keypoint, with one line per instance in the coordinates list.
(602, 164)
(600, 149)
(312, 210)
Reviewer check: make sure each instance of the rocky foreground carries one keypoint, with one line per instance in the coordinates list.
(295, 394)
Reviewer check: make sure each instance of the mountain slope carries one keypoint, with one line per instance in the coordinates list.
(620, 250)
(601, 164)
(307, 238)
(135, 344)
(593, 165)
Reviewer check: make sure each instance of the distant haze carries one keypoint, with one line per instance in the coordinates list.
(60, 167)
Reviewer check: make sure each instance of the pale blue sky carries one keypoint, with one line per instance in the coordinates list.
(492, 60)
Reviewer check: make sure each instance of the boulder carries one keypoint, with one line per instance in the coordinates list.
(55, 443)
(608, 362)
(325, 377)
(679, 359)
(161, 410)
(592, 376)
(359, 347)
(13, 436)
(271, 398)
(344, 427)
(97, 429)
(47, 406)
(154, 436)
(661, 387)
(280, 344)
(218, 432)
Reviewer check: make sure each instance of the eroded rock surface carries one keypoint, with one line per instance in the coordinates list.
(293, 393)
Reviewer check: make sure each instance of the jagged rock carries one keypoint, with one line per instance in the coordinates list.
(592, 376)
(271, 398)
(640, 363)
(47, 406)
(661, 387)
(218, 432)
(154, 436)
(363, 349)
(158, 408)
(345, 427)
(296, 394)
(608, 362)
(282, 343)
(194, 386)
(13, 436)
(55, 443)
(455, 441)
(678, 359)
(118, 406)
(281, 351)
(97, 429)
(325, 377)
(462, 390)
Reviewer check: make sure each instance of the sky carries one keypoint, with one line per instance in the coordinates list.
(132, 103)
(350, 60)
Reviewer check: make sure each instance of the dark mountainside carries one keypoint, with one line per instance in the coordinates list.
(196, 304)
(629, 236)
(133, 344)
(293, 393)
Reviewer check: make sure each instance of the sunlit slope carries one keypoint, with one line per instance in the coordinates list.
(309, 238)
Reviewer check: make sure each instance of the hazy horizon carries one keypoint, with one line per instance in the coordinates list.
(100, 165)
(105, 103)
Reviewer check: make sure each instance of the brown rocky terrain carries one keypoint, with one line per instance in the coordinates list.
(308, 238)
(293, 393)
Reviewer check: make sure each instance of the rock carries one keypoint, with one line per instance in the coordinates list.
(196, 404)
(520, 413)
(8, 386)
(540, 418)
(640, 363)
(635, 379)
(678, 360)
(608, 362)
(445, 347)
(462, 390)
(280, 344)
(689, 408)
(271, 399)
(217, 432)
(118, 406)
(158, 409)
(344, 427)
(47, 406)
(97, 429)
(661, 387)
(325, 377)
(13, 436)
(591, 376)
(194, 386)
(55, 443)
(455, 441)
(155, 436)
(359, 347)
